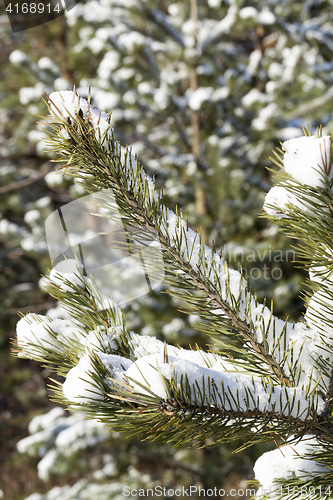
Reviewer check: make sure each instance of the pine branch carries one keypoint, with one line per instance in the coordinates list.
(113, 167)
(137, 383)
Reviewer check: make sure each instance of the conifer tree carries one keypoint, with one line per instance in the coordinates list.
(272, 63)
(262, 379)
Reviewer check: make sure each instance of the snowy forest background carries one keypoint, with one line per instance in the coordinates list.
(203, 90)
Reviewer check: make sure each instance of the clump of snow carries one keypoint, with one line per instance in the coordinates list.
(280, 200)
(287, 461)
(199, 97)
(319, 314)
(66, 104)
(80, 386)
(254, 97)
(67, 270)
(307, 159)
(289, 133)
(51, 334)
(47, 464)
(145, 371)
(214, 3)
(275, 70)
(18, 57)
(265, 116)
(266, 17)
(29, 94)
(10, 228)
(233, 287)
(31, 329)
(222, 27)
(108, 100)
(45, 63)
(248, 13)
(57, 435)
(61, 84)
(172, 329)
(132, 40)
(294, 346)
(45, 420)
(323, 274)
(279, 197)
(32, 217)
(109, 63)
(102, 339)
(161, 98)
(150, 371)
(54, 178)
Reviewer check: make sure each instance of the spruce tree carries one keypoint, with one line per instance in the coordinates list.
(262, 379)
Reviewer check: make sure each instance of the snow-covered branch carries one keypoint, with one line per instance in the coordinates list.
(265, 369)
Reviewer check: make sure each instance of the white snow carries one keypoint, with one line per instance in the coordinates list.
(107, 100)
(125, 73)
(232, 390)
(29, 94)
(253, 97)
(61, 84)
(66, 104)
(248, 13)
(55, 178)
(291, 57)
(266, 17)
(10, 228)
(322, 274)
(132, 40)
(214, 3)
(171, 329)
(57, 435)
(46, 465)
(199, 97)
(161, 98)
(67, 270)
(32, 217)
(153, 360)
(45, 63)
(279, 197)
(109, 63)
(95, 45)
(319, 313)
(31, 329)
(102, 340)
(265, 116)
(222, 27)
(80, 387)
(45, 420)
(285, 462)
(18, 57)
(305, 159)
(51, 334)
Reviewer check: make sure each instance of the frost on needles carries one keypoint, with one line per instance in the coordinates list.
(262, 379)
